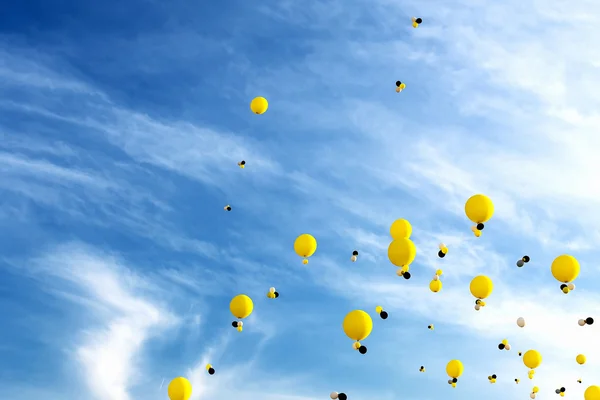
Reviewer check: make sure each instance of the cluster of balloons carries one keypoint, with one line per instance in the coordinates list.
(479, 209)
(272, 293)
(416, 22)
(436, 283)
(401, 251)
(354, 256)
(357, 326)
(241, 306)
(504, 345)
(492, 378)
(532, 359)
(454, 369)
(305, 246)
(481, 287)
(565, 269)
(524, 260)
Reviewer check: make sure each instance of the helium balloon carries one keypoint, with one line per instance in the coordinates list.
(479, 209)
(180, 389)
(532, 359)
(402, 252)
(454, 369)
(481, 287)
(305, 246)
(241, 306)
(400, 229)
(259, 105)
(580, 359)
(520, 322)
(592, 393)
(435, 286)
(565, 268)
(357, 325)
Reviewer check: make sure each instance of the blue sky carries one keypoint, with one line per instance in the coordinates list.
(121, 127)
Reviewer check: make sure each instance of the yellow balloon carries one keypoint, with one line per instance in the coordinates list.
(179, 389)
(580, 359)
(402, 252)
(305, 245)
(532, 359)
(357, 325)
(241, 306)
(565, 268)
(481, 287)
(454, 368)
(592, 393)
(259, 105)
(435, 286)
(479, 208)
(400, 229)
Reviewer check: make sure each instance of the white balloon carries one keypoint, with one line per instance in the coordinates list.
(399, 272)
(521, 322)
(240, 324)
(436, 278)
(532, 395)
(333, 395)
(571, 286)
(353, 258)
(477, 307)
(507, 347)
(581, 322)
(272, 290)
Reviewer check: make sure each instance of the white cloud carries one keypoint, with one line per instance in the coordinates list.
(121, 318)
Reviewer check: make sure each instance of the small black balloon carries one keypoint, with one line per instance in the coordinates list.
(418, 20)
(398, 83)
(454, 380)
(243, 162)
(501, 346)
(562, 389)
(526, 259)
(342, 396)
(480, 227)
(563, 286)
(383, 315)
(234, 324)
(406, 275)
(516, 380)
(228, 208)
(211, 371)
(355, 253)
(478, 301)
(362, 350)
(589, 320)
(422, 367)
(494, 376)
(441, 254)
(276, 294)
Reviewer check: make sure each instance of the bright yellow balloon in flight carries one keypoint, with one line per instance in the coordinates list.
(400, 229)
(479, 208)
(241, 306)
(580, 359)
(481, 287)
(592, 393)
(565, 268)
(532, 359)
(180, 389)
(305, 245)
(402, 252)
(435, 286)
(259, 105)
(357, 325)
(454, 368)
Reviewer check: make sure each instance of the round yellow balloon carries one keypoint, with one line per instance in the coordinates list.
(180, 389)
(400, 229)
(592, 393)
(259, 105)
(454, 368)
(580, 359)
(305, 245)
(565, 268)
(357, 325)
(435, 286)
(479, 208)
(241, 306)
(402, 252)
(481, 287)
(532, 359)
